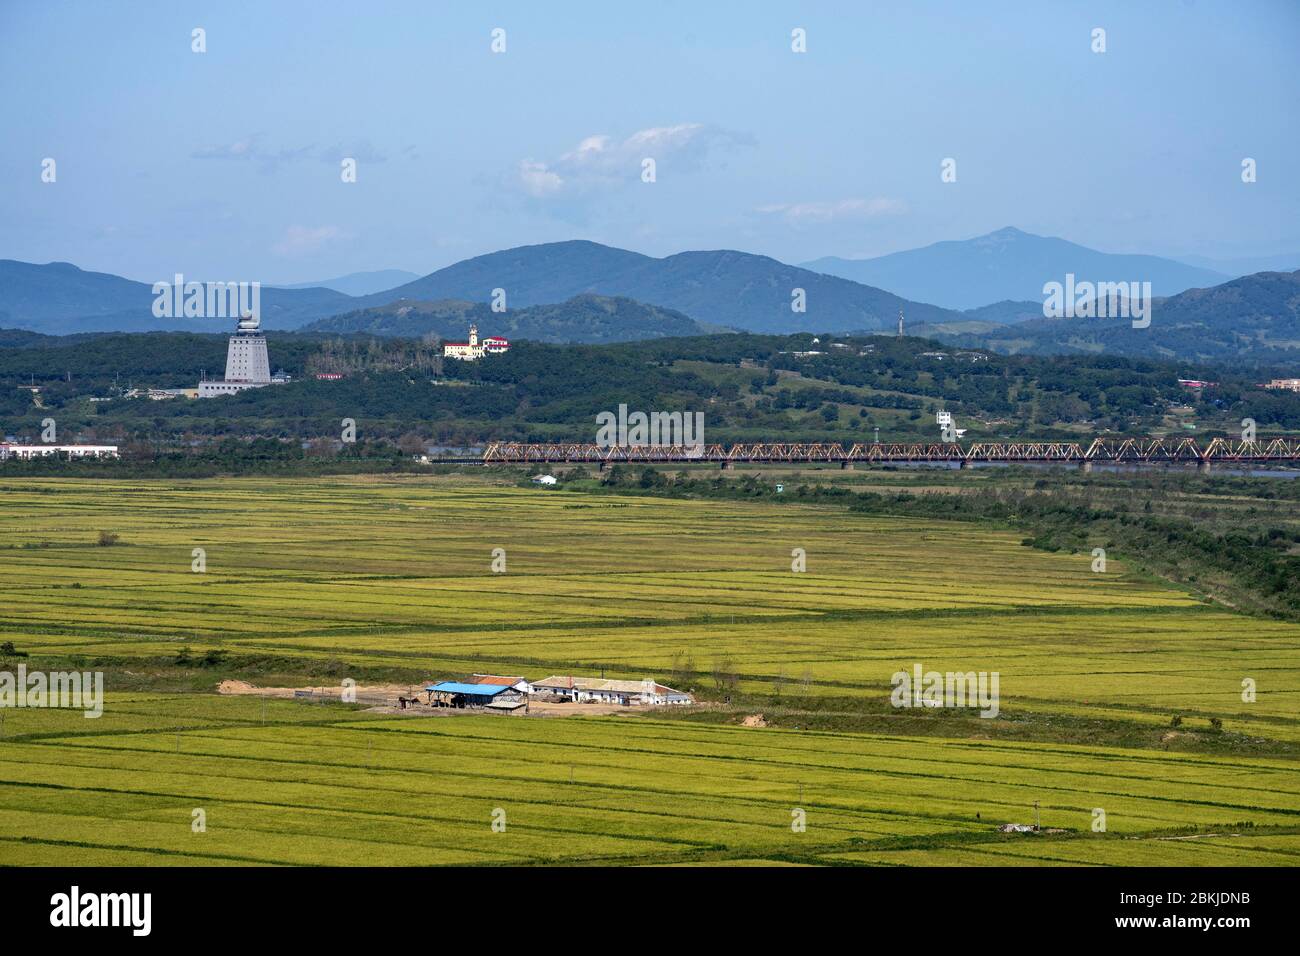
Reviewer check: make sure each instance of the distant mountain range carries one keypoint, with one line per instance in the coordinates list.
(1254, 318)
(724, 288)
(1248, 265)
(582, 291)
(359, 283)
(1008, 265)
(58, 298)
(584, 318)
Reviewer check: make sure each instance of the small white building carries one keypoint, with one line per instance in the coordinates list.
(944, 421)
(601, 691)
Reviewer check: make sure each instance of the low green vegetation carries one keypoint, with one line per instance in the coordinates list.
(1118, 692)
(1234, 539)
(295, 783)
(750, 387)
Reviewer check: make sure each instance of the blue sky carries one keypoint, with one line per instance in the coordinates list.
(226, 164)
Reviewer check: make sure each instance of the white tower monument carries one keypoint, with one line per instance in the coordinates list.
(246, 359)
(247, 365)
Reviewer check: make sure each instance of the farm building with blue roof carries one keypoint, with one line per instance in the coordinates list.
(456, 694)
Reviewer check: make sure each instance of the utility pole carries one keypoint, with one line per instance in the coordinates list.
(1037, 821)
(877, 434)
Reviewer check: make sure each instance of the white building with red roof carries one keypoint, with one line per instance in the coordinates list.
(601, 691)
(474, 349)
(515, 683)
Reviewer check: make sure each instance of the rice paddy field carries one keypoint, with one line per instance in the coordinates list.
(394, 576)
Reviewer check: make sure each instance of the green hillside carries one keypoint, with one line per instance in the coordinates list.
(584, 318)
(749, 387)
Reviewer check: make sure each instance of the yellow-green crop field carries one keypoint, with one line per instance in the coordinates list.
(396, 573)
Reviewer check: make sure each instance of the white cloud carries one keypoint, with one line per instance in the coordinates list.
(240, 149)
(813, 213)
(601, 161)
(359, 149)
(251, 149)
(537, 180)
(303, 240)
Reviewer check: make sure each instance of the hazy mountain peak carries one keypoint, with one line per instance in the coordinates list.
(1008, 264)
(359, 283)
(1006, 234)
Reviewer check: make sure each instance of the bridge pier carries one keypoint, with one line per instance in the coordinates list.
(966, 464)
(846, 466)
(1203, 466)
(602, 466)
(728, 465)
(1085, 467)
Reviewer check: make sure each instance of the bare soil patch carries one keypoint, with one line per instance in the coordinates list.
(240, 688)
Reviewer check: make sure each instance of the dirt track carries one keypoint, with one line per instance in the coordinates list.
(239, 688)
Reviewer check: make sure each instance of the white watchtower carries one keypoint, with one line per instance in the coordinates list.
(246, 359)
(247, 365)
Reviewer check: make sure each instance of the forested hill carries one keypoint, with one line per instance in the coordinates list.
(750, 387)
(583, 318)
(1254, 320)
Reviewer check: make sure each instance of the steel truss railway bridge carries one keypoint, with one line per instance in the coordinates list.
(1110, 451)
